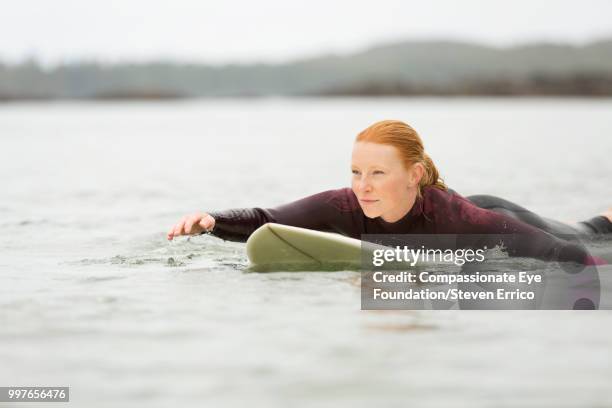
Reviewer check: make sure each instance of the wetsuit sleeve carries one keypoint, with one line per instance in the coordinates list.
(317, 211)
(598, 225)
(518, 238)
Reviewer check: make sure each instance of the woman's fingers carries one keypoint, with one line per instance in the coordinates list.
(192, 224)
(188, 224)
(179, 227)
(170, 234)
(207, 223)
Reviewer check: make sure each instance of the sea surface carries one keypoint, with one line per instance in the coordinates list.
(92, 296)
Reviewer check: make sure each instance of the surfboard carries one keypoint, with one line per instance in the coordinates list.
(276, 247)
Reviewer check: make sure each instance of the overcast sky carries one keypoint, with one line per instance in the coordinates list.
(277, 30)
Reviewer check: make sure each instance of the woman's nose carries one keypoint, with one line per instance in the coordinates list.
(364, 184)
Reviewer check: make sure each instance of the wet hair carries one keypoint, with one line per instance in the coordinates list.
(409, 145)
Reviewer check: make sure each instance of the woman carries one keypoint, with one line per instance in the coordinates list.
(396, 189)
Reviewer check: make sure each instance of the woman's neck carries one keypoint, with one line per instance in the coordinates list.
(401, 209)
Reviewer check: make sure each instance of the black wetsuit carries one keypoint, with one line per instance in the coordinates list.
(589, 228)
(436, 212)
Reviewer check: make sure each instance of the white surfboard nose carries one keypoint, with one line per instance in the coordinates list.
(277, 244)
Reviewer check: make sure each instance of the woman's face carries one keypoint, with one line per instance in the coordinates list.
(381, 182)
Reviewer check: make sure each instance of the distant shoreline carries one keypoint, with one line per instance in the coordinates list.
(571, 88)
(406, 69)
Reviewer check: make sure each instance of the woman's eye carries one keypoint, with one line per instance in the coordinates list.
(355, 172)
(379, 172)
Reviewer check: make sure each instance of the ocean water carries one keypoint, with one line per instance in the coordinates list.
(93, 297)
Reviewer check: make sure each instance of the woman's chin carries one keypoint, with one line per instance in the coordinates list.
(370, 213)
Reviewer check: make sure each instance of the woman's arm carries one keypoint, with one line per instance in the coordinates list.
(326, 211)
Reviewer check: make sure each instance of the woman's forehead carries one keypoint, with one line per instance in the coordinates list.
(366, 153)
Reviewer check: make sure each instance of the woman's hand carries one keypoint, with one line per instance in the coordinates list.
(191, 225)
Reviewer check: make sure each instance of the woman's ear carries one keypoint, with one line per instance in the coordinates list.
(416, 174)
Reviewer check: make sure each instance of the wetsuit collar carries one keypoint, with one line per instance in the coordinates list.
(401, 225)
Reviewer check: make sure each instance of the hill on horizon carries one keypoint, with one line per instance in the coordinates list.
(401, 68)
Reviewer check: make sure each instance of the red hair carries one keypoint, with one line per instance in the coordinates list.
(409, 145)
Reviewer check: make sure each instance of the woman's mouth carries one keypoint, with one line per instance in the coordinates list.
(368, 201)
